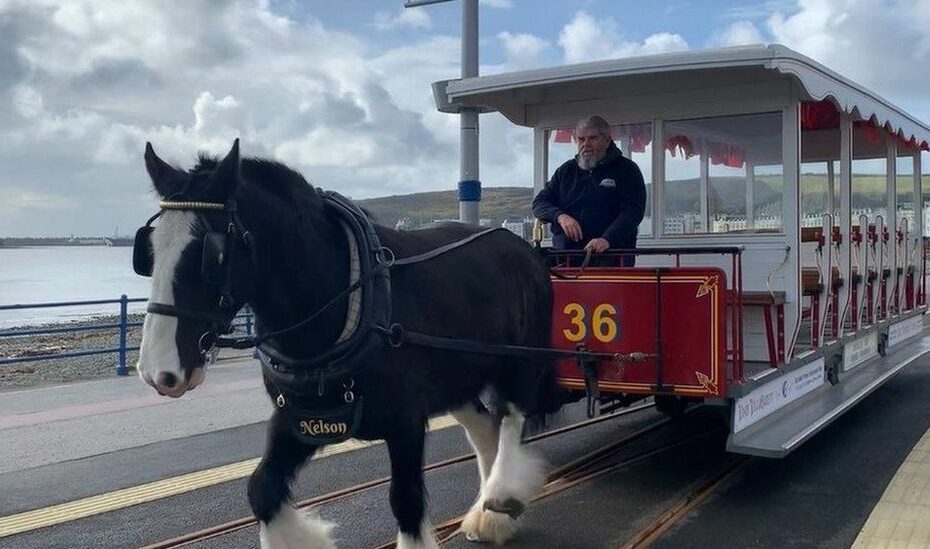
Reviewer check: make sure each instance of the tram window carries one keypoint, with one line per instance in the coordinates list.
(634, 141)
(818, 180)
(820, 162)
(767, 186)
(869, 171)
(925, 188)
(904, 181)
(683, 213)
(723, 174)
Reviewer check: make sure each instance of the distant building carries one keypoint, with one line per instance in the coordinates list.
(405, 223)
(516, 225)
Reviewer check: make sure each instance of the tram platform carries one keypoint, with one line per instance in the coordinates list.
(863, 482)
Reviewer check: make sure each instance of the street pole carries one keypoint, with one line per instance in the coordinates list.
(469, 183)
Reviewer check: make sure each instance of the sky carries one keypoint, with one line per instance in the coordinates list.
(340, 89)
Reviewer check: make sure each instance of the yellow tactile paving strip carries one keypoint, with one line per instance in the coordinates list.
(902, 517)
(127, 497)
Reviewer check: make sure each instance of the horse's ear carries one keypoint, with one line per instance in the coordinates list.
(226, 176)
(166, 179)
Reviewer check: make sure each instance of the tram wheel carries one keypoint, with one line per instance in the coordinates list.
(671, 405)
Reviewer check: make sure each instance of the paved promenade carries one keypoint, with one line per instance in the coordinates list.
(67, 422)
(59, 444)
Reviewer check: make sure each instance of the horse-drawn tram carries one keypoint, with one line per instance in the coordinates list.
(779, 276)
(780, 264)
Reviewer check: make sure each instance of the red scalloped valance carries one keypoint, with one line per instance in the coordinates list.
(822, 115)
(819, 115)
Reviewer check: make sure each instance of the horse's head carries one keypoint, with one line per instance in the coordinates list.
(197, 255)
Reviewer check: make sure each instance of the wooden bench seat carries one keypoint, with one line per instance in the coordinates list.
(770, 302)
(810, 280)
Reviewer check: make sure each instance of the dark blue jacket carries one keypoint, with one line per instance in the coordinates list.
(608, 201)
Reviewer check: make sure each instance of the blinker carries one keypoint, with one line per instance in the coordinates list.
(211, 263)
(142, 252)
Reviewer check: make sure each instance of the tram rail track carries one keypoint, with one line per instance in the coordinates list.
(580, 470)
(684, 505)
(230, 527)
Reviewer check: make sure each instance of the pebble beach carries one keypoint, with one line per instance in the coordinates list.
(64, 370)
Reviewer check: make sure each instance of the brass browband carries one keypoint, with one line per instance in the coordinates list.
(173, 205)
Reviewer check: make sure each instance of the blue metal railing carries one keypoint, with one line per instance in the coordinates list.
(123, 326)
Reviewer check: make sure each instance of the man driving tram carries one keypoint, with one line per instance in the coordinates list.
(597, 199)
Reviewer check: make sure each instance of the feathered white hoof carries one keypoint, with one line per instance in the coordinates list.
(290, 529)
(427, 539)
(484, 526)
(521, 477)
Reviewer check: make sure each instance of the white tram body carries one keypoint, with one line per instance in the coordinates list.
(816, 179)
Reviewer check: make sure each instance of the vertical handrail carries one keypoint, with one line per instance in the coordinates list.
(658, 326)
(121, 368)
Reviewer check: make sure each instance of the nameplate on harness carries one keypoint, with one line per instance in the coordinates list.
(327, 426)
(317, 427)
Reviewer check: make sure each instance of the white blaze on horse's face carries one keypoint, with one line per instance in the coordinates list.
(159, 360)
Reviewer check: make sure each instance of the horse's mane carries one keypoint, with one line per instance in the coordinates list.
(273, 177)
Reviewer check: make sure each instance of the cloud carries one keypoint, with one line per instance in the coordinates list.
(502, 4)
(586, 39)
(91, 81)
(28, 200)
(761, 10)
(523, 51)
(414, 18)
(879, 44)
(737, 34)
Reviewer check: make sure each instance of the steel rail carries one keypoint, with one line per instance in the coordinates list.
(683, 506)
(580, 470)
(246, 522)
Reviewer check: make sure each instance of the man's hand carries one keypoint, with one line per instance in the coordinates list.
(597, 245)
(571, 227)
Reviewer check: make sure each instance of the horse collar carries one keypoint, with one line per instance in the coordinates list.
(306, 386)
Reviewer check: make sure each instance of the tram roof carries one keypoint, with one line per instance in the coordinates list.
(512, 93)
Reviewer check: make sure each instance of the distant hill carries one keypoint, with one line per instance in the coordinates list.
(497, 203)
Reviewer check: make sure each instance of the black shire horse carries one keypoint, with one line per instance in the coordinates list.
(326, 287)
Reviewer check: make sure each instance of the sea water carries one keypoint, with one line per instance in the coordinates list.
(45, 274)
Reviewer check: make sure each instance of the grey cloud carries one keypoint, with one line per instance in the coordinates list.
(13, 67)
(115, 75)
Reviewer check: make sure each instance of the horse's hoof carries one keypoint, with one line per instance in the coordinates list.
(510, 506)
(471, 524)
(486, 526)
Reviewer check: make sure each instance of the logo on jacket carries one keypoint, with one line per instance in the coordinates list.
(608, 183)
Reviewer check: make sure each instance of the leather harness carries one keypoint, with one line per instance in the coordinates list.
(302, 383)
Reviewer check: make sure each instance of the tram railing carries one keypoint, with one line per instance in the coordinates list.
(243, 321)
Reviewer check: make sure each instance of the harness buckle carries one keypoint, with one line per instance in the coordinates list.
(349, 396)
(207, 341)
(384, 253)
(395, 335)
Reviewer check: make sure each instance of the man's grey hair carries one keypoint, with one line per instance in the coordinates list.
(595, 122)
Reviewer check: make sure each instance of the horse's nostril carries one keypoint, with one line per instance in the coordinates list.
(166, 380)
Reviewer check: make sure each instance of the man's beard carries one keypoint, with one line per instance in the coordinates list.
(586, 162)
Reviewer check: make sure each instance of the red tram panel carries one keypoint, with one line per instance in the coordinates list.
(614, 310)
